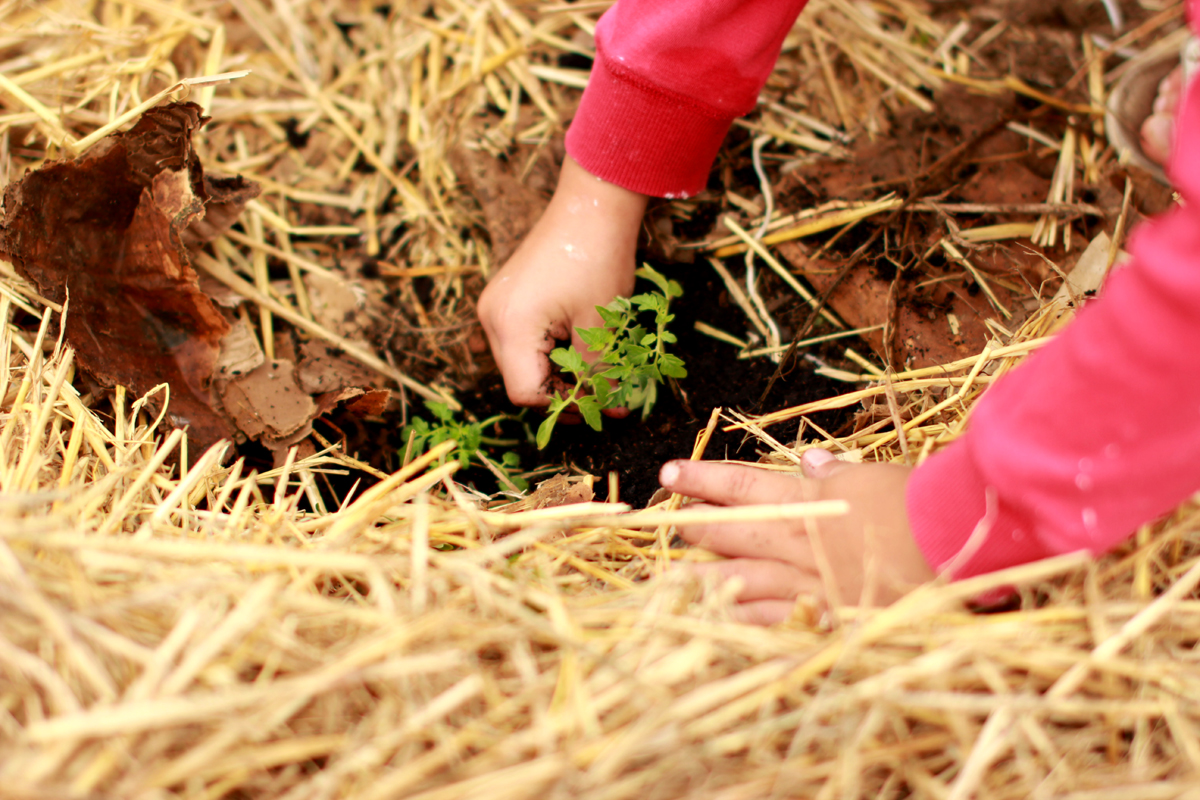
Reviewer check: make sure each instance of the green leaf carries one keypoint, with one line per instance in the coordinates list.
(510, 459)
(648, 372)
(612, 318)
(545, 429)
(440, 410)
(657, 278)
(649, 302)
(589, 407)
(569, 359)
(602, 389)
(595, 338)
(673, 289)
(672, 366)
(668, 337)
(470, 437)
(648, 340)
(618, 373)
(648, 400)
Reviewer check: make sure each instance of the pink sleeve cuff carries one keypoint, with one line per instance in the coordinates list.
(960, 524)
(644, 138)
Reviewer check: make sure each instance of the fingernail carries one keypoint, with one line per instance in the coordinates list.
(668, 474)
(816, 458)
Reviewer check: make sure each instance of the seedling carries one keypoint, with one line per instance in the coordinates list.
(633, 359)
(469, 436)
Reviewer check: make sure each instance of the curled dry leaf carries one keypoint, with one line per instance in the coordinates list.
(109, 231)
(267, 404)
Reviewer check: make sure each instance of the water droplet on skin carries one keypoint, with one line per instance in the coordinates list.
(1089, 518)
(1112, 451)
(1086, 465)
(1084, 482)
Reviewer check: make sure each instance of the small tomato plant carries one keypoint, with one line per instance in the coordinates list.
(469, 436)
(633, 358)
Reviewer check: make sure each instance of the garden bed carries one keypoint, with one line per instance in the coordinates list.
(307, 613)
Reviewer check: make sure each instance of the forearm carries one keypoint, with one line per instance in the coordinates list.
(1099, 432)
(1095, 435)
(668, 80)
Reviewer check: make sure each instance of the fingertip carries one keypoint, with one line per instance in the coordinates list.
(521, 395)
(763, 613)
(816, 461)
(1156, 136)
(616, 413)
(668, 475)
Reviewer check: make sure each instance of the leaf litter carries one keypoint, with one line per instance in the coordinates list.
(108, 236)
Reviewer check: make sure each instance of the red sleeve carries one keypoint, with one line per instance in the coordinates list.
(1097, 433)
(670, 77)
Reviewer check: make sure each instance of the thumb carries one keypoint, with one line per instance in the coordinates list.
(522, 359)
(818, 463)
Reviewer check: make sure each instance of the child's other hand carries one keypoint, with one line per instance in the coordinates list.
(870, 551)
(1158, 129)
(579, 255)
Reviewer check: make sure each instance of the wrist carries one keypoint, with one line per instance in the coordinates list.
(580, 193)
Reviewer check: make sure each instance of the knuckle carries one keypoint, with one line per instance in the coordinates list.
(741, 481)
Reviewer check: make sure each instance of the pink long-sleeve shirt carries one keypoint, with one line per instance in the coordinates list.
(1094, 435)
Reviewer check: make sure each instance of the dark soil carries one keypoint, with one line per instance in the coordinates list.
(634, 448)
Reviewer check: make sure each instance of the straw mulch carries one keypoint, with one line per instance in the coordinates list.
(173, 625)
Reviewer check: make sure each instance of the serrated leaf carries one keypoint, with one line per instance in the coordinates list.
(470, 437)
(569, 359)
(668, 337)
(657, 278)
(648, 372)
(618, 373)
(589, 407)
(601, 388)
(648, 340)
(595, 338)
(610, 317)
(440, 410)
(648, 301)
(672, 366)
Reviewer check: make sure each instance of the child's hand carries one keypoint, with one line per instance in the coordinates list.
(1158, 128)
(579, 255)
(870, 551)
